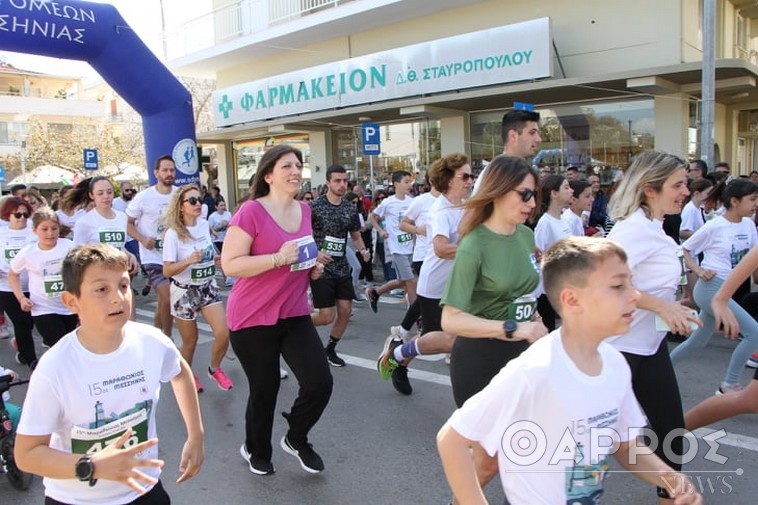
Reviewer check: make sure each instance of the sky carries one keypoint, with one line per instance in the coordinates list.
(144, 16)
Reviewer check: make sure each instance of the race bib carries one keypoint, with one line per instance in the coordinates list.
(112, 237)
(334, 246)
(404, 238)
(53, 285)
(307, 253)
(158, 244)
(522, 309)
(10, 253)
(202, 272)
(92, 440)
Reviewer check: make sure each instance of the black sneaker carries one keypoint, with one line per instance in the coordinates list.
(373, 299)
(400, 380)
(332, 358)
(256, 465)
(310, 461)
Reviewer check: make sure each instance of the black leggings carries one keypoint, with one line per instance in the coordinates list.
(54, 327)
(156, 496)
(431, 314)
(258, 349)
(654, 384)
(475, 361)
(22, 326)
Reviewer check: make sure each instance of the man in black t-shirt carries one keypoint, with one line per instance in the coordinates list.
(333, 218)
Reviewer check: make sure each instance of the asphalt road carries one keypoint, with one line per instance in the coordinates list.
(377, 445)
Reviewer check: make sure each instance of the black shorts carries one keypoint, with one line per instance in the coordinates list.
(416, 267)
(326, 292)
(431, 314)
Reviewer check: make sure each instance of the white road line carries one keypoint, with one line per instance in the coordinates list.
(731, 439)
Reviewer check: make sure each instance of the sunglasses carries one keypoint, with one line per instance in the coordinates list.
(526, 194)
(193, 200)
(308, 198)
(130, 191)
(20, 215)
(467, 177)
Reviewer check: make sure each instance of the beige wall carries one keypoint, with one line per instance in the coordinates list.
(589, 40)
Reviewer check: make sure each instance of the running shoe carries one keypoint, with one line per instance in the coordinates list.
(332, 358)
(146, 290)
(19, 359)
(198, 386)
(373, 299)
(752, 361)
(4, 333)
(221, 379)
(400, 332)
(400, 380)
(726, 389)
(256, 465)
(386, 363)
(310, 461)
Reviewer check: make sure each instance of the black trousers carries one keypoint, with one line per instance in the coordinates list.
(258, 349)
(22, 326)
(655, 386)
(53, 327)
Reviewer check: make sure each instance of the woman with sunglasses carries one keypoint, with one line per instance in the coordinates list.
(654, 185)
(43, 260)
(13, 238)
(495, 265)
(102, 223)
(306, 196)
(270, 249)
(189, 262)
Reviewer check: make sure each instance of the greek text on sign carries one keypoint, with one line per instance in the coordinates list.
(517, 52)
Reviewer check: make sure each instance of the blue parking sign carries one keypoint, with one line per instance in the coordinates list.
(90, 159)
(2, 173)
(371, 139)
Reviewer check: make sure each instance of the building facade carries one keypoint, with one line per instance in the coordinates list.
(610, 78)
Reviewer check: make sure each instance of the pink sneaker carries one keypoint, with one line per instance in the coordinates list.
(221, 379)
(198, 386)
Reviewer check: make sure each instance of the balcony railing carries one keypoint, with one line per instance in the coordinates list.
(236, 20)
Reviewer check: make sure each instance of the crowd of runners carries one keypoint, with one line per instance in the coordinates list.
(497, 273)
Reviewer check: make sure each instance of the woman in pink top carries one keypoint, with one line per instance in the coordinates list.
(269, 247)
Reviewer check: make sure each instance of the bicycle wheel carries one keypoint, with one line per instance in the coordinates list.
(18, 479)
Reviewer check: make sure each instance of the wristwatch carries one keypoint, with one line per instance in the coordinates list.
(510, 326)
(85, 469)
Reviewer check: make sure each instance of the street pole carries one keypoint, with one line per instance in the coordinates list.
(707, 131)
(23, 160)
(371, 173)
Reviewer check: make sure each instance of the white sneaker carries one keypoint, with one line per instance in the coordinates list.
(400, 332)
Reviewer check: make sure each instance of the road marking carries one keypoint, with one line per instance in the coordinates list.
(731, 439)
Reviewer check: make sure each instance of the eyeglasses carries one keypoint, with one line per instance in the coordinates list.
(467, 177)
(20, 215)
(193, 200)
(526, 194)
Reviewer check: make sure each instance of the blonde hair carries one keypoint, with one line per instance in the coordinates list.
(649, 169)
(503, 174)
(173, 218)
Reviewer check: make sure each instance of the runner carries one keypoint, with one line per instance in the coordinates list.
(189, 262)
(144, 225)
(400, 243)
(452, 176)
(333, 218)
(42, 261)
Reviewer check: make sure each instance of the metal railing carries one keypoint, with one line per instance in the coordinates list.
(242, 18)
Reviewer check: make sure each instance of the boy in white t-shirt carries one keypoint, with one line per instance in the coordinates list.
(568, 397)
(88, 422)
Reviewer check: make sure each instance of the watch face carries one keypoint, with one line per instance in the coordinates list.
(511, 326)
(84, 468)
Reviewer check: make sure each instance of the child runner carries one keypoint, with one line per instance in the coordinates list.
(91, 433)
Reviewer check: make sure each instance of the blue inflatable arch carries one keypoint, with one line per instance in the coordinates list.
(96, 33)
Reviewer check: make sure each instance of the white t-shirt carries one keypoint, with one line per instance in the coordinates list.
(93, 228)
(71, 220)
(692, 217)
(83, 400)
(418, 213)
(120, 204)
(11, 242)
(656, 266)
(550, 230)
(443, 221)
(215, 219)
(574, 223)
(542, 392)
(176, 250)
(723, 243)
(392, 211)
(147, 208)
(45, 281)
